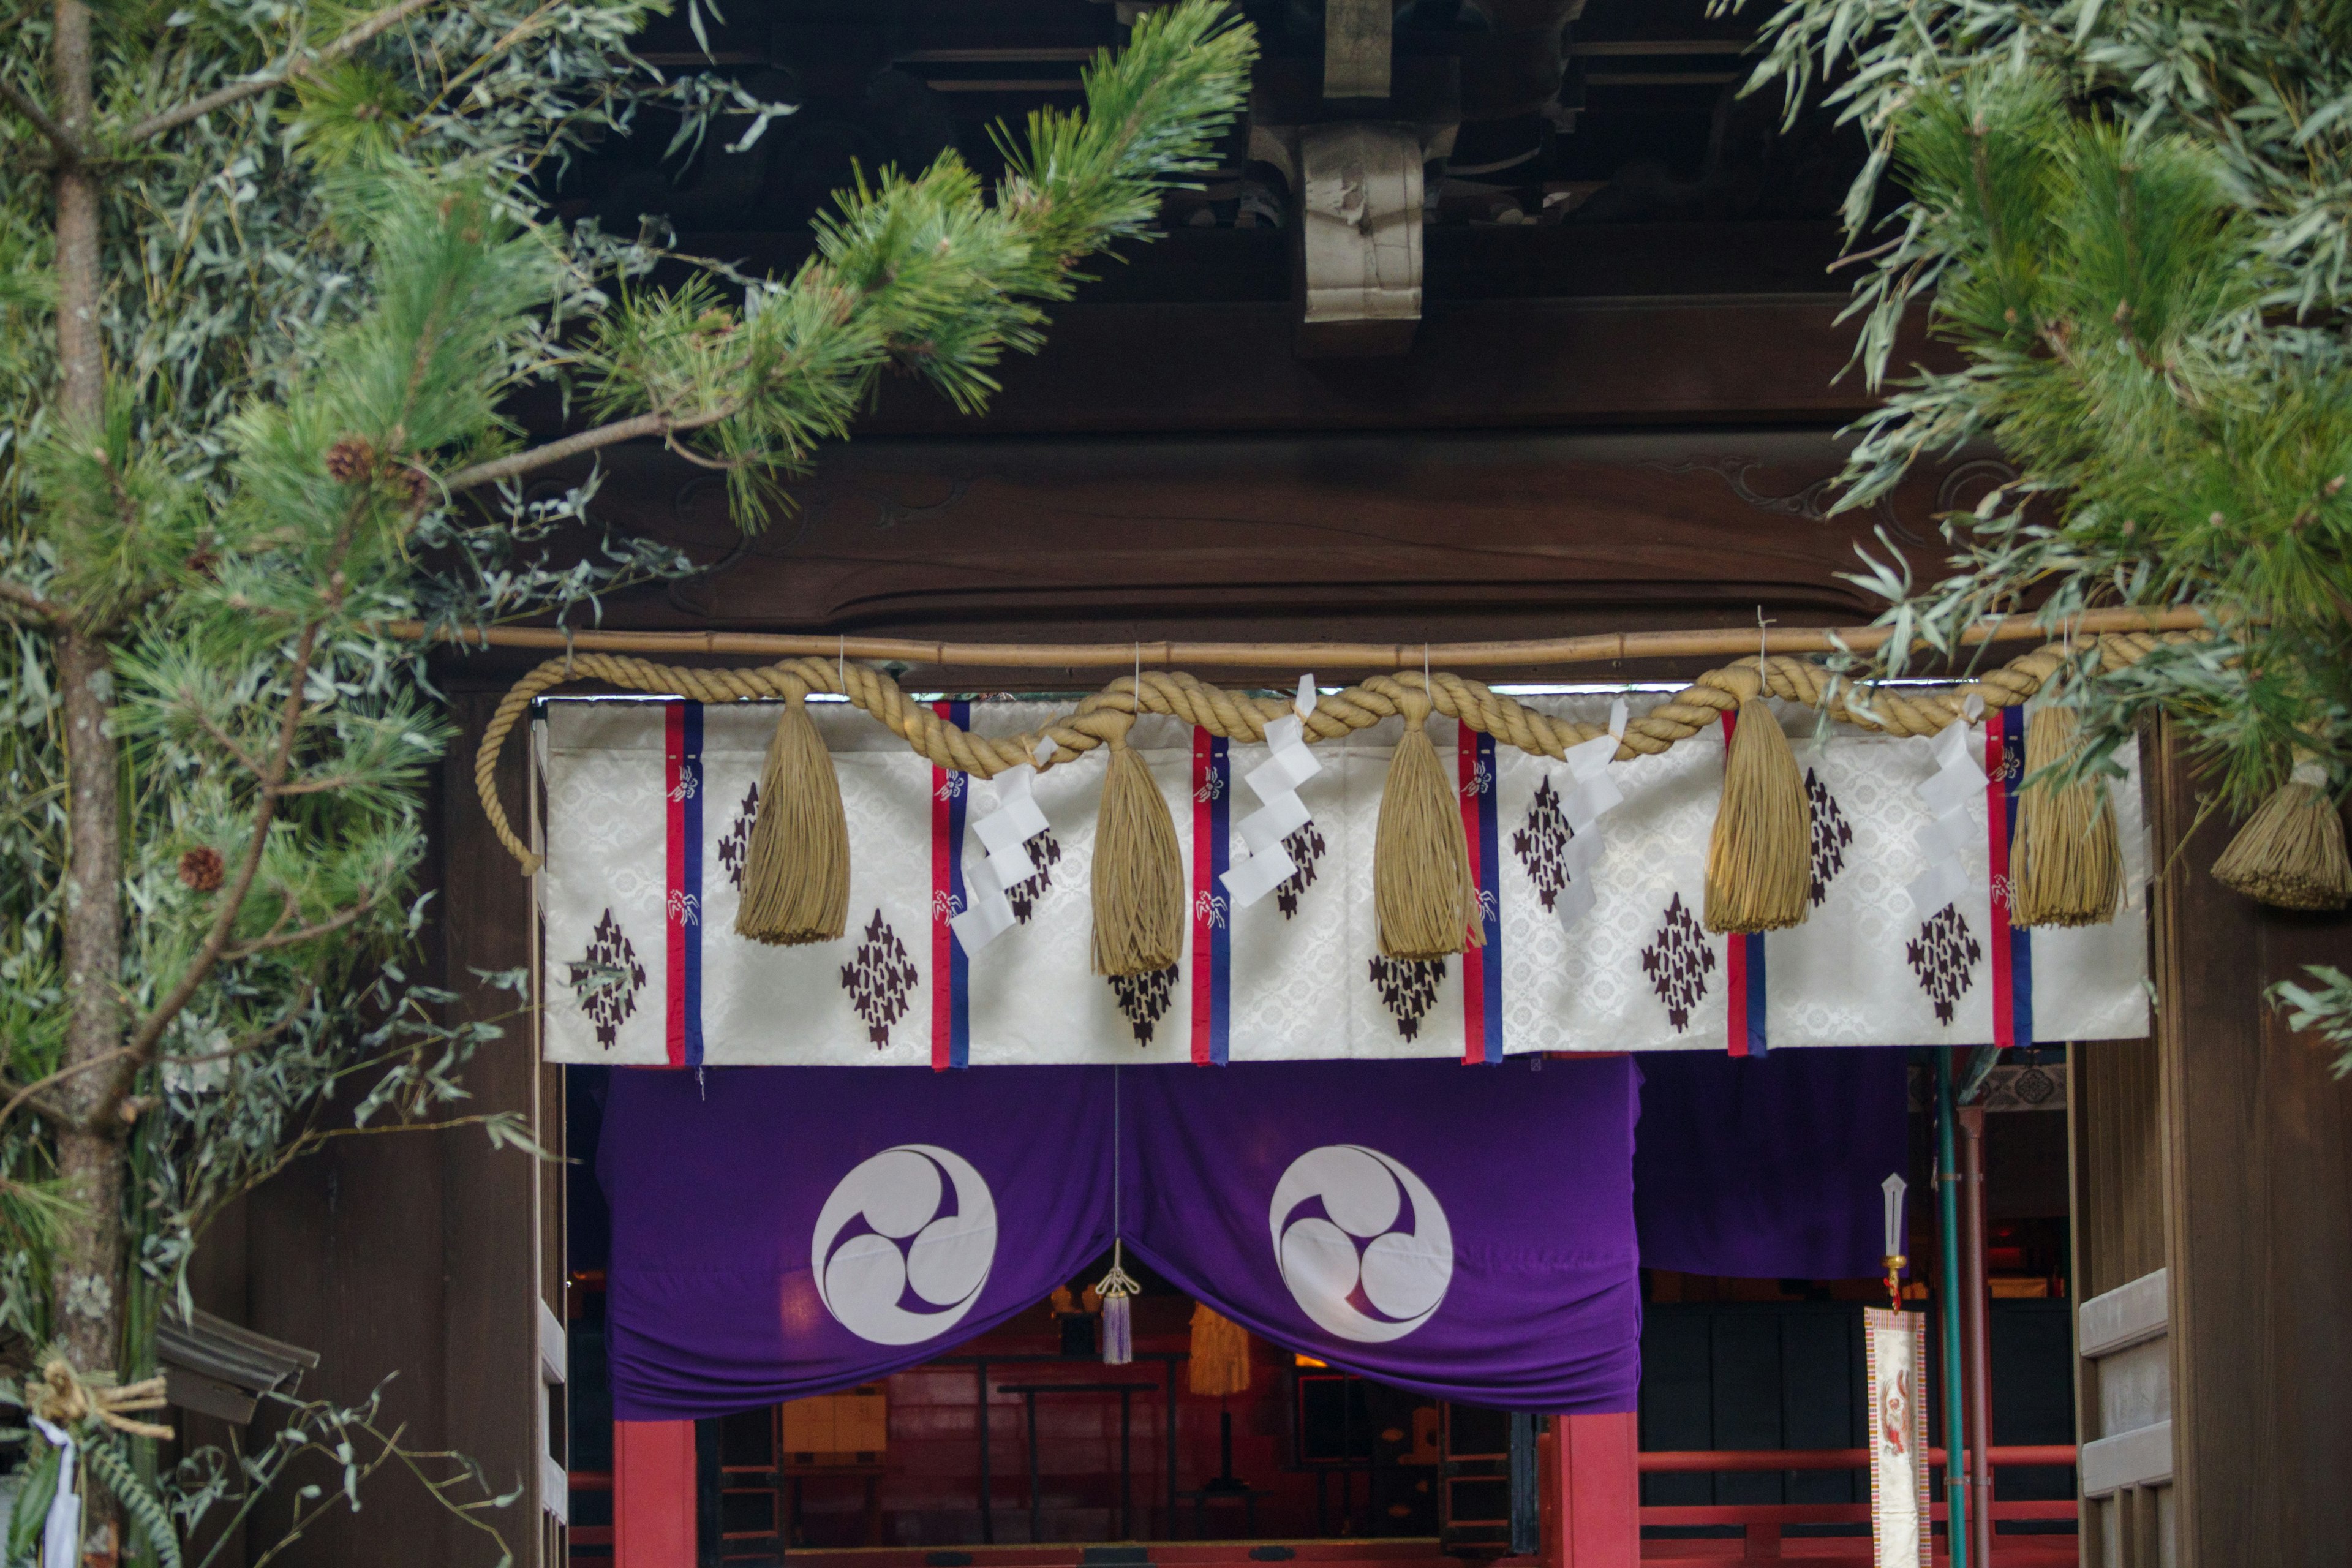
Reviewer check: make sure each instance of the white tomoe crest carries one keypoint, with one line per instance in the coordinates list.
(1374, 1265)
(908, 1272)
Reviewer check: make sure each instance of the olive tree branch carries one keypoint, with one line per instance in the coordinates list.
(359, 34)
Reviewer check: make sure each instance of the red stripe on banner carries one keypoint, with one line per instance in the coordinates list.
(2004, 1030)
(1734, 956)
(943, 850)
(673, 929)
(1204, 980)
(1474, 959)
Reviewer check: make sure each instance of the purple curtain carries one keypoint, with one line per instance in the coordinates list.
(1466, 1232)
(780, 1232)
(1462, 1231)
(1768, 1167)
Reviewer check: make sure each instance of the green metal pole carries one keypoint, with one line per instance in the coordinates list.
(1947, 1208)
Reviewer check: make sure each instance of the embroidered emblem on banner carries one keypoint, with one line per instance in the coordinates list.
(1144, 999)
(735, 849)
(1408, 989)
(1833, 836)
(903, 1246)
(1044, 853)
(606, 979)
(1373, 1264)
(1541, 844)
(1678, 961)
(880, 978)
(1305, 847)
(1945, 955)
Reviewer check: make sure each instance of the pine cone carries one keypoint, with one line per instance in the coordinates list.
(202, 869)
(414, 485)
(350, 459)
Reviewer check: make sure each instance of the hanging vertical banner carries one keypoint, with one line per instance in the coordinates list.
(950, 966)
(1212, 934)
(682, 907)
(1895, 1355)
(1482, 965)
(2012, 945)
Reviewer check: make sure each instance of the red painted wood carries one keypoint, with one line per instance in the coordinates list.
(1597, 1461)
(652, 1494)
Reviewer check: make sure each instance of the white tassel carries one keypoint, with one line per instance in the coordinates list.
(1118, 1291)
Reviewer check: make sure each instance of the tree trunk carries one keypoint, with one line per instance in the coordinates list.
(87, 1285)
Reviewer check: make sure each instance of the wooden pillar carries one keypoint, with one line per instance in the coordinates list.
(1591, 1468)
(652, 1494)
(2257, 1168)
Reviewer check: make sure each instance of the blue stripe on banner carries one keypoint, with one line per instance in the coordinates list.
(958, 975)
(2020, 938)
(690, 814)
(1757, 993)
(1221, 932)
(1490, 894)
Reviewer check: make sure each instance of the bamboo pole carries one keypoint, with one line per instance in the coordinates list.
(1605, 648)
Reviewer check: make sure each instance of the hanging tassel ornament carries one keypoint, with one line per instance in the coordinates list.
(1760, 858)
(2291, 852)
(796, 866)
(1118, 1291)
(1422, 893)
(1221, 1355)
(2067, 865)
(1139, 871)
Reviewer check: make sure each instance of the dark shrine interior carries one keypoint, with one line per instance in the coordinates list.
(1077, 1451)
(1627, 118)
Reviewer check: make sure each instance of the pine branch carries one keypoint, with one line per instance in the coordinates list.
(517, 464)
(353, 39)
(68, 149)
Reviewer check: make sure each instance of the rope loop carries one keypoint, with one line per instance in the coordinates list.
(1103, 718)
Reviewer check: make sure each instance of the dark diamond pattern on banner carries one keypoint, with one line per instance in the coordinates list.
(1408, 989)
(1944, 955)
(735, 849)
(1306, 847)
(1541, 844)
(1144, 999)
(880, 978)
(1833, 836)
(606, 979)
(1045, 854)
(1678, 961)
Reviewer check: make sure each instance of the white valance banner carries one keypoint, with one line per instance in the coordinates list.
(1588, 947)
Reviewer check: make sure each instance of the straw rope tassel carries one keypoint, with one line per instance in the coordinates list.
(1422, 890)
(2069, 864)
(796, 866)
(2291, 851)
(1759, 854)
(1139, 870)
(1221, 1355)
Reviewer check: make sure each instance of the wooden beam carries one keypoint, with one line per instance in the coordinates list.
(1614, 648)
(1520, 364)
